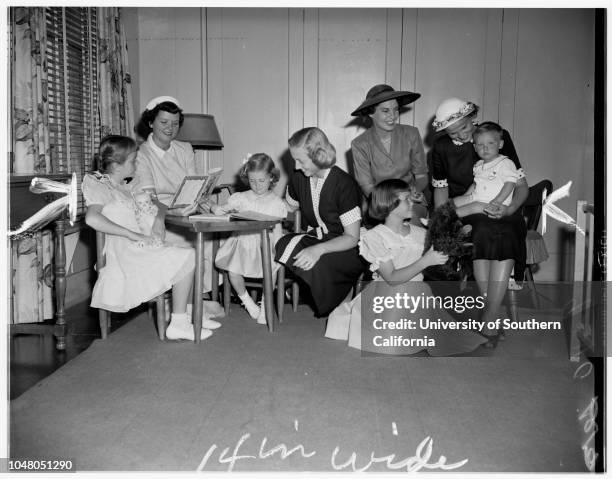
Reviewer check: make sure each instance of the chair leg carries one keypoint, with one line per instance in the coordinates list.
(150, 311)
(254, 295)
(280, 293)
(295, 295)
(534, 294)
(227, 292)
(104, 319)
(513, 305)
(160, 304)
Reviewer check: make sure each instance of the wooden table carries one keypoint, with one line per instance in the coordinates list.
(215, 228)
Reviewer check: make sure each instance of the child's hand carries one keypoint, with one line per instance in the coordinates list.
(186, 211)
(217, 210)
(499, 212)
(205, 207)
(492, 209)
(433, 257)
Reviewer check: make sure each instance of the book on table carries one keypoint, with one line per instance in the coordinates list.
(209, 217)
(234, 216)
(196, 189)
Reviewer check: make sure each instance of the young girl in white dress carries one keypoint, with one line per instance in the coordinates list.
(394, 250)
(139, 265)
(240, 255)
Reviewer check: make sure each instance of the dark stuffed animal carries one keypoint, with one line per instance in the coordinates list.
(448, 235)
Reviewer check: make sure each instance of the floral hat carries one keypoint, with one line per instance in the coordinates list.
(451, 111)
(381, 93)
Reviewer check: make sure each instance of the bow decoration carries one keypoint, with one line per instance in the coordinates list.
(550, 209)
(51, 211)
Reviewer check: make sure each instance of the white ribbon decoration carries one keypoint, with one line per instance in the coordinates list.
(51, 211)
(552, 210)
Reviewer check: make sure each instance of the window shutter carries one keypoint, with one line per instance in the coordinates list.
(72, 89)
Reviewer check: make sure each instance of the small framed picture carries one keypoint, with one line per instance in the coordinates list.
(189, 191)
(196, 188)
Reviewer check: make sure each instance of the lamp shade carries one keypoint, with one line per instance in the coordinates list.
(200, 130)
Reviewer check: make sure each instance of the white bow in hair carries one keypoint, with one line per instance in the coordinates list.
(246, 158)
(552, 210)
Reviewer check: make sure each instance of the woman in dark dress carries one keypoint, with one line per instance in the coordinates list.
(326, 256)
(499, 237)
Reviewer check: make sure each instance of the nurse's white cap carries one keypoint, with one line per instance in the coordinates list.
(161, 99)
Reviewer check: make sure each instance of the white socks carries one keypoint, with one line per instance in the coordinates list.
(180, 327)
(261, 317)
(206, 322)
(250, 305)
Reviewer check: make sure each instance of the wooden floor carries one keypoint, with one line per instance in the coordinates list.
(33, 357)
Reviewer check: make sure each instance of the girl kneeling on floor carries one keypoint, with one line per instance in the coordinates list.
(139, 265)
(394, 250)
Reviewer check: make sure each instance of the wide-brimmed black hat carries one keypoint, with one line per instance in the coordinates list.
(380, 93)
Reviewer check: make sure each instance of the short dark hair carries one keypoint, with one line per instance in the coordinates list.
(259, 162)
(488, 127)
(385, 198)
(114, 149)
(143, 128)
(317, 146)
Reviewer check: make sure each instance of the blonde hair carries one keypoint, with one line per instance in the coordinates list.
(317, 146)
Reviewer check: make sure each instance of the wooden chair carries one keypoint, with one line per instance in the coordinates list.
(104, 315)
(536, 248)
(534, 243)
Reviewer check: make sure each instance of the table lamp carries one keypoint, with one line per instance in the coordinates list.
(201, 131)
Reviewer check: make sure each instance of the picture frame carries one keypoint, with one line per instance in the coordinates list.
(195, 188)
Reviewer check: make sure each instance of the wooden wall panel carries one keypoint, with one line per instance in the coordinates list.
(450, 59)
(169, 55)
(352, 57)
(248, 81)
(265, 73)
(553, 117)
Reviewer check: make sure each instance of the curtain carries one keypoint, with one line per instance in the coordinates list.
(116, 110)
(70, 86)
(29, 99)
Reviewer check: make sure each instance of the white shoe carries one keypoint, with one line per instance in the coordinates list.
(513, 285)
(210, 323)
(180, 327)
(261, 317)
(206, 322)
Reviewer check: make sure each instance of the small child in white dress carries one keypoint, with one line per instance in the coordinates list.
(139, 265)
(240, 255)
(394, 250)
(495, 175)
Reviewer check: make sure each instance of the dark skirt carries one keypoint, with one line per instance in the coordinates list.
(498, 239)
(331, 278)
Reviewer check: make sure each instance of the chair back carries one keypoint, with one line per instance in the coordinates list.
(532, 208)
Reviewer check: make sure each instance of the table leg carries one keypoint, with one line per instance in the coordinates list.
(60, 283)
(197, 287)
(266, 260)
(214, 292)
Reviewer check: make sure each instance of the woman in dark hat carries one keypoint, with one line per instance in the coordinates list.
(387, 149)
